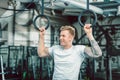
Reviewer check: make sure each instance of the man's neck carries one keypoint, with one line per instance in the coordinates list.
(67, 46)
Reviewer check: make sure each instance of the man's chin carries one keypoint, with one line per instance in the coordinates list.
(61, 44)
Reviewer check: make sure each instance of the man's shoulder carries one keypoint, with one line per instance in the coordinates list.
(78, 46)
(56, 46)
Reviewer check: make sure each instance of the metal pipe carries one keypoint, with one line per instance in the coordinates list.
(3, 77)
(88, 4)
(81, 4)
(106, 0)
(42, 12)
(106, 5)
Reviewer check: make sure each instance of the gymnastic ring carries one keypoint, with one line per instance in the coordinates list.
(42, 16)
(87, 11)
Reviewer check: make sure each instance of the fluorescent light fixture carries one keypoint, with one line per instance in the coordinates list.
(118, 11)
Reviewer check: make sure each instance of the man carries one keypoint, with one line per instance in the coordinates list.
(67, 57)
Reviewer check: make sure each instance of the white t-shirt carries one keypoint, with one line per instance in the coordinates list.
(67, 62)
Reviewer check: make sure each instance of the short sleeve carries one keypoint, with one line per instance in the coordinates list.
(81, 50)
(51, 50)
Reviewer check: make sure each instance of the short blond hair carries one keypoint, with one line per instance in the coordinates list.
(69, 28)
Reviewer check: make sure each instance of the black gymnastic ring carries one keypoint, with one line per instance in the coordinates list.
(87, 11)
(34, 21)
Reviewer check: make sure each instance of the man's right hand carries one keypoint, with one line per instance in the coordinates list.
(42, 50)
(42, 31)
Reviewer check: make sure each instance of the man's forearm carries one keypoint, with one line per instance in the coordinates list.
(94, 46)
(41, 46)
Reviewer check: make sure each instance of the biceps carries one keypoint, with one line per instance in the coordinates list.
(46, 51)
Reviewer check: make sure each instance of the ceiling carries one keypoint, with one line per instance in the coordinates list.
(74, 7)
(59, 9)
(71, 7)
(109, 8)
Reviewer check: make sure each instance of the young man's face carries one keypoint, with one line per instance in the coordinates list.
(65, 38)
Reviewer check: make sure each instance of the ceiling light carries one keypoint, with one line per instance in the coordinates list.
(118, 11)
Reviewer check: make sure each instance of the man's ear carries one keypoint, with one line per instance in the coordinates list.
(71, 37)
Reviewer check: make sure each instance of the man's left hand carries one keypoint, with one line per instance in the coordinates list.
(88, 29)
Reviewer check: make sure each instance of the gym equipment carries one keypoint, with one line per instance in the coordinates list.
(41, 20)
(32, 56)
(1, 59)
(88, 12)
(111, 50)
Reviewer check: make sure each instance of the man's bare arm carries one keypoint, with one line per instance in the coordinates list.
(42, 50)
